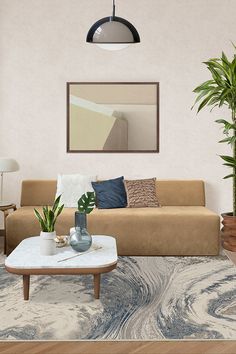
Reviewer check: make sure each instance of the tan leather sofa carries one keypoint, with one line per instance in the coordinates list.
(182, 226)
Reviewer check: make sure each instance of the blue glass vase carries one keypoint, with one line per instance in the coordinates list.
(80, 240)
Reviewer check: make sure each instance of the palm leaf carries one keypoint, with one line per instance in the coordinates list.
(229, 159)
(204, 103)
(226, 140)
(229, 165)
(205, 86)
(230, 176)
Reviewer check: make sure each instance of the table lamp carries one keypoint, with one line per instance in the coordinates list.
(6, 165)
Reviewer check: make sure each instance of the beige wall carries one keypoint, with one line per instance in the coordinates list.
(42, 46)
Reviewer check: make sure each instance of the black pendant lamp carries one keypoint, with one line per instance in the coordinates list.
(113, 33)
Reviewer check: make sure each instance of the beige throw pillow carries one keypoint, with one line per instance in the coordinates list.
(141, 193)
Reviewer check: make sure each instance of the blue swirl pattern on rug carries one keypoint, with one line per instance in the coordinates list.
(145, 298)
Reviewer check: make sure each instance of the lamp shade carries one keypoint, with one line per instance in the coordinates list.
(113, 32)
(8, 165)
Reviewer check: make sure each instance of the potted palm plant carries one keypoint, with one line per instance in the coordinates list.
(47, 222)
(220, 91)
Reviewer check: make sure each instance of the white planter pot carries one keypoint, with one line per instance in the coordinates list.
(47, 243)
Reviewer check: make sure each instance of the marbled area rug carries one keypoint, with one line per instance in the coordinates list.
(145, 298)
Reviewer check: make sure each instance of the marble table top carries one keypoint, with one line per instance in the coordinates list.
(27, 255)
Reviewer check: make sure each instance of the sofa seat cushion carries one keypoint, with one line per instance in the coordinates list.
(170, 230)
(24, 220)
(155, 212)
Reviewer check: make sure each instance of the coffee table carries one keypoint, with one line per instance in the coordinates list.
(26, 260)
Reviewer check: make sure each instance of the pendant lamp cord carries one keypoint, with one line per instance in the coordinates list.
(114, 8)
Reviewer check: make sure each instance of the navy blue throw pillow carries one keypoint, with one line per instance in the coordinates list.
(110, 194)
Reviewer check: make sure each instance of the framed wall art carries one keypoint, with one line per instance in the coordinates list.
(112, 117)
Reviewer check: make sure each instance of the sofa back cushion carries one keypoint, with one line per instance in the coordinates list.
(38, 192)
(181, 192)
(170, 192)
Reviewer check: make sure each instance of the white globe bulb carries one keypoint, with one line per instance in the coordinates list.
(113, 46)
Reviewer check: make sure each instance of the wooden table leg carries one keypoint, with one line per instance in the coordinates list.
(96, 285)
(26, 284)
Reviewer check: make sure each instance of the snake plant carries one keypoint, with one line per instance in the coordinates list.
(48, 219)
